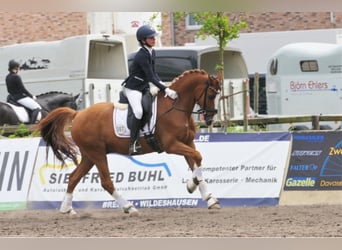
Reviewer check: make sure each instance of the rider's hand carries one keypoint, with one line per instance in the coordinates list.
(171, 93)
(154, 90)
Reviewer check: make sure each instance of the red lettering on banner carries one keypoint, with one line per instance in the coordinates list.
(310, 85)
(134, 24)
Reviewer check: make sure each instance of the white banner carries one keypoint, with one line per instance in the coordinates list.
(17, 158)
(146, 176)
(240, 169)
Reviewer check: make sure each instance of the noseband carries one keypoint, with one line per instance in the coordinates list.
(206, 112)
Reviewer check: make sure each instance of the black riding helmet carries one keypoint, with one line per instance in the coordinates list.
(145, 31)
(12, 64)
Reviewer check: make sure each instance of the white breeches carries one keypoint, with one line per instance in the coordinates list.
(29, 103)
(134, 98)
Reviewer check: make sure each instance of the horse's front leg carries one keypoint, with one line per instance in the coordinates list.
(194, 160)
(198, 181)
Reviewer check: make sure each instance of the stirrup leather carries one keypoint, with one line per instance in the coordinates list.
(134, 149)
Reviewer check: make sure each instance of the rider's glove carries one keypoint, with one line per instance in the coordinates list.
(154, 90)
(171, 93)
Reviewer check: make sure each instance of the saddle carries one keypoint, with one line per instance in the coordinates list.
(147, 100)
(24, 114)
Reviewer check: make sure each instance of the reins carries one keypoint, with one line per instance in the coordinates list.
(203, 110)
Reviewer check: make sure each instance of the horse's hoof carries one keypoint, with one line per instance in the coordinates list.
(65, 208)
(213, 203)
(72, 212)
(131, 210)
(215, 206)
(191, 186)
(69, 211)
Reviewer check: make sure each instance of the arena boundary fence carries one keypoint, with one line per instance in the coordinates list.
(242, 169)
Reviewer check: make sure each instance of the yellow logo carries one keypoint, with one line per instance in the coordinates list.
(51, 166)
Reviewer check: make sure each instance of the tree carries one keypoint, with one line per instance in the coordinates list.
(217, 25)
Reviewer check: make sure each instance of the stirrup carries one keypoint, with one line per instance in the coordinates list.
(134, 149)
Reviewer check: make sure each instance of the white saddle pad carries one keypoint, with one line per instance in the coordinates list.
(120, 121)
(20, 112)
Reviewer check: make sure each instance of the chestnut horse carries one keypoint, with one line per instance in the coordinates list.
(93, 135)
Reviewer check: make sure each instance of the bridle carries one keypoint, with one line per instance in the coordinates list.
(205, 111)
(47, 109)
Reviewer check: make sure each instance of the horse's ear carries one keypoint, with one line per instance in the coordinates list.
(76, 96)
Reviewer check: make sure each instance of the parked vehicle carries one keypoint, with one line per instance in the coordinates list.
(305, 79)
(92, 65)
(173, 61)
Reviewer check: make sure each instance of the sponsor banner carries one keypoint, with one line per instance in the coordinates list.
(315, 161)
(244, 165)
(243, 169)
(139, 176)
(17, 158)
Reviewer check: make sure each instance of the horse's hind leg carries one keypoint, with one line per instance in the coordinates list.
(107, 184)
(75, 177)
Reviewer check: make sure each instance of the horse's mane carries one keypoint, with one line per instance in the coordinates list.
(53, 93)
(187, 72)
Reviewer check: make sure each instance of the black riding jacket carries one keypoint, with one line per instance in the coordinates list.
(15, 87)
(142, 71)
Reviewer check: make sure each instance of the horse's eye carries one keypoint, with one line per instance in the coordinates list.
(211, 97)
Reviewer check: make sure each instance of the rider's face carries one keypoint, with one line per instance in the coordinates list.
(150, 41)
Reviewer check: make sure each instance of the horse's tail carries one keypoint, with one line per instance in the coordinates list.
(51, 129)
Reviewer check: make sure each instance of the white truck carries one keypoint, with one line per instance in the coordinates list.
(305, 79)
(96, 65)
(92, 65)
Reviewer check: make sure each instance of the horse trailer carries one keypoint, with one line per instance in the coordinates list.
(305, 79)
(171, 62)
(93, 66)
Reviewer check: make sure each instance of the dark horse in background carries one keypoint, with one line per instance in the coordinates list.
(93, 135)
(48, 101)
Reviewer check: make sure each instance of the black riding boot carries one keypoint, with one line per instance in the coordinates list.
(34, 116)
(135, 149)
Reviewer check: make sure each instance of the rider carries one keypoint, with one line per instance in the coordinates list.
(19, 93)
(142, 72)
